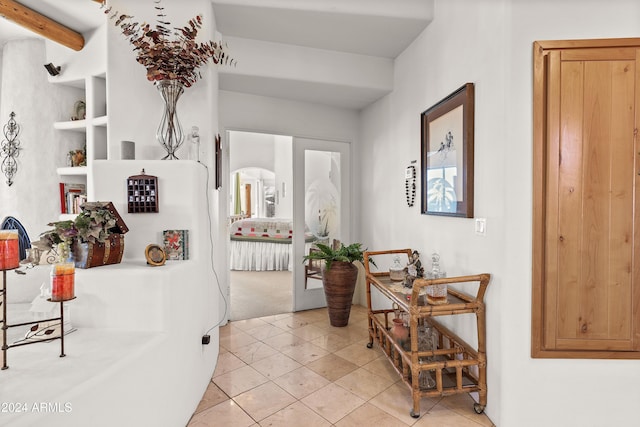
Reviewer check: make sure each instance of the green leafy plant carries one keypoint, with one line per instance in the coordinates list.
(352, 253)
(169, 54)
(91, 225)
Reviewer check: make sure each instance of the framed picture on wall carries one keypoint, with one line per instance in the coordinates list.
(218, 155)
(447, 155)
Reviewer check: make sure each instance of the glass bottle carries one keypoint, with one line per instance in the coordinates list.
(396, 271)
(436, 294)
(427, 341)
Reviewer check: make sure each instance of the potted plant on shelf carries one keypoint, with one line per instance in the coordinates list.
(339, 276)
(94, 237)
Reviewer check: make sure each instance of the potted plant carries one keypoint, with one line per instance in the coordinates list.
(86, 237)
(339, 276)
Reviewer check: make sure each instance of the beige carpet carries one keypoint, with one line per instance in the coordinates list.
(260, 293)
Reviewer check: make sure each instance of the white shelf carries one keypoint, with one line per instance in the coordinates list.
(99, 121)
(90, 131)
(78, 171)
(73, 125)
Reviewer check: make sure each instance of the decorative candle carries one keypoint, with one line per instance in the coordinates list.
(63, 281)
(9, 249)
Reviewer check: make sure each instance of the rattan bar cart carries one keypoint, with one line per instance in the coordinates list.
(454, 364)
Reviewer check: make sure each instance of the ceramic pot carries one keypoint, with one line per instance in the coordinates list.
(399, 331)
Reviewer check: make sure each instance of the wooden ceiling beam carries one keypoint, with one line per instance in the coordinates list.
(40, 24)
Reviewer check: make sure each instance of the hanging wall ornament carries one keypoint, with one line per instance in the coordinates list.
(410, 184)
(10, 148)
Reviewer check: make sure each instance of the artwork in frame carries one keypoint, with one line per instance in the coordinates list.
(176, 244)
(218, 148)
(447, 155)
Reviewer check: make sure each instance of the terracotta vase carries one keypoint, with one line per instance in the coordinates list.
(399, 332)
(339, 283)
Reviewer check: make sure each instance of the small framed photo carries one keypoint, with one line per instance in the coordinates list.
(155, 255)
(447, 155)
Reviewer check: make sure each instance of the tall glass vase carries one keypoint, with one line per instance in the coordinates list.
(169, 133)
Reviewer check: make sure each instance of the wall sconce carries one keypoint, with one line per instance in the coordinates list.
(10, 148)
(52, 69)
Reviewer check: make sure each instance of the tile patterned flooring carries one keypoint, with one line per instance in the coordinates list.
(295, 368)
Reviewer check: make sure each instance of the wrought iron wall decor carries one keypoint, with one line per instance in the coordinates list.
(10, 148)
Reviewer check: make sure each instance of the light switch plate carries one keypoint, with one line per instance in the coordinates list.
(481, 226)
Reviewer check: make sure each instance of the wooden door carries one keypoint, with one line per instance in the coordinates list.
(586, 200)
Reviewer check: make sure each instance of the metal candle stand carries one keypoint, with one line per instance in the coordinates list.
(6, 326)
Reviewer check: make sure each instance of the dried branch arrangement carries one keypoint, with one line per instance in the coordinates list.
(170, 53)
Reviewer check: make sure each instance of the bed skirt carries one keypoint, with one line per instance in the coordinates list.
(262, 256)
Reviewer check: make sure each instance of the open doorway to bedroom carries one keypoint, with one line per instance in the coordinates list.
(261, 226)
(286, 195)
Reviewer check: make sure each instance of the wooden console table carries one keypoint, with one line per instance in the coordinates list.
(456, 366)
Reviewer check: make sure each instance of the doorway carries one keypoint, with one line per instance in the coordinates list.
(260, 209)
(285, 195)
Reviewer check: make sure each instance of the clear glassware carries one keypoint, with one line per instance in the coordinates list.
(427, 341)
(436, 294)
(396, 271)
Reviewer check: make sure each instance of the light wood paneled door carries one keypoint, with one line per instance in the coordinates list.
(586, 199)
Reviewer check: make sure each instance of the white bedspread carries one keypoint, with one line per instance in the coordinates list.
(262, 256)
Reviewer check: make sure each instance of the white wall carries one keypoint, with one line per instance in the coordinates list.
(33, 198)
(134, 112)
(270, 152)
(284, 176)
(489, 42)
(589, 383)
(251, 150)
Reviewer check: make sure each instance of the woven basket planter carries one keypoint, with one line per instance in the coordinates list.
(339, 284)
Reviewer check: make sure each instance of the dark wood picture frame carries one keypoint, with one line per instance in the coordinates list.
(447, 155)
(143, 193)
(218, 149)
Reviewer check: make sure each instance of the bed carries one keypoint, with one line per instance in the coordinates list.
(263, 244)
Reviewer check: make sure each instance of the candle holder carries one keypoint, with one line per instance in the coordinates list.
(63, 277)
(9, 249)
(65, 293)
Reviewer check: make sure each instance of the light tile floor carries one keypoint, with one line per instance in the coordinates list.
(295, 369)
